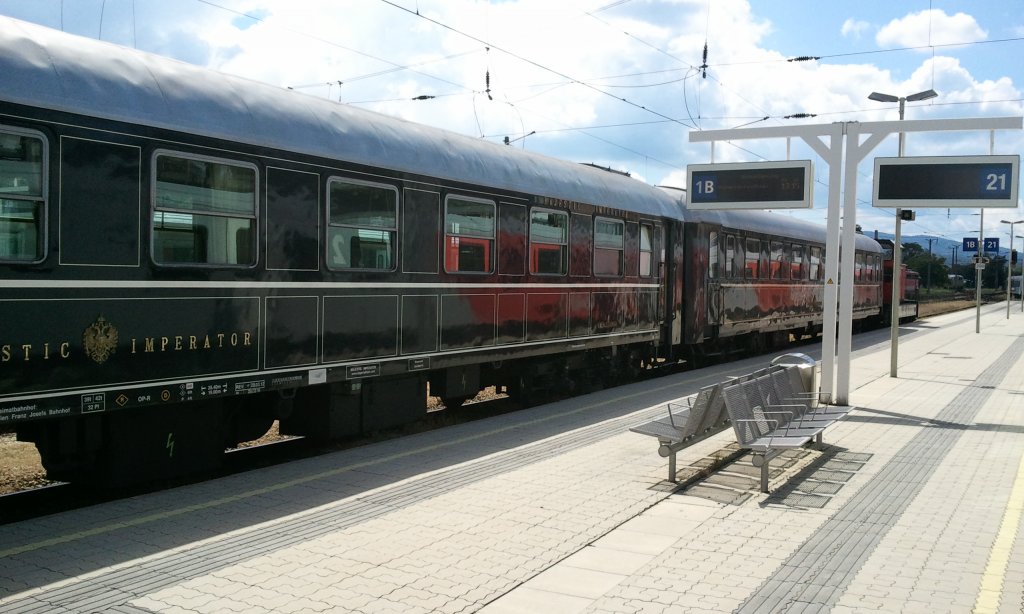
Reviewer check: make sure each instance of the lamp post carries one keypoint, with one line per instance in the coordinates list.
(1009, 265)
(894, 330)
(1019, 257)
(928, 278)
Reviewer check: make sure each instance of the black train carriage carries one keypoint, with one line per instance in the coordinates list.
(187, 256)
(755, 281)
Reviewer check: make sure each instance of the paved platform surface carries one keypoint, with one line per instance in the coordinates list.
(913, 504)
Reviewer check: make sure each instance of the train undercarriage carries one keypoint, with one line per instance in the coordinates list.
(148, 444)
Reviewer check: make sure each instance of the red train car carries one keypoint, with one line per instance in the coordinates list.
(910, 283)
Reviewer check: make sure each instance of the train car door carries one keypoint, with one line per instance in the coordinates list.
(716, 243)
(672, 282)
(695, 288)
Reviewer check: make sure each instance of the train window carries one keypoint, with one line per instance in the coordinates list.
(646, 250)
(815, 263)
(797, 263)
(753, 256)
(469, 235)
(778, 261)
(549, 242)
(22, 195)
(730, 256)
(204, 210)
(362, 225)
(858, 268)
(713, 255)
(609, 246)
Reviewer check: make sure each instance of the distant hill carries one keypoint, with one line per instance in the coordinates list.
(942, 248)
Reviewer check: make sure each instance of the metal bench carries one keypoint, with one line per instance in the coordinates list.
(703, 415)
(789, 387)
(781, 401)
(761, 393)
(766, 426)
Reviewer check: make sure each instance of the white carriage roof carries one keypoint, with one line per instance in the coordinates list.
(778, 224)
(46, 68)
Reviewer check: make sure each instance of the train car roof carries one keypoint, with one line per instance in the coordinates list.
(768, 223)
(49, 69)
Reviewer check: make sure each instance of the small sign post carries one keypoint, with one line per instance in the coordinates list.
(750, 185)
(945, 182)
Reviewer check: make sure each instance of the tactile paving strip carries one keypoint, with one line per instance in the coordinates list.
(830, 558)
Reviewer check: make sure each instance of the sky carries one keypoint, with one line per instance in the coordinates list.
(618, 83)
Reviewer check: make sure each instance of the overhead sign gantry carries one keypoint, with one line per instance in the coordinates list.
(838, 314)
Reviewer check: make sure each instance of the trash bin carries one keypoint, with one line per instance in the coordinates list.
(807, 366)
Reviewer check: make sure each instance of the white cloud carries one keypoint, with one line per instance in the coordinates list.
(577, 110)
(853, 27)
(931, 27)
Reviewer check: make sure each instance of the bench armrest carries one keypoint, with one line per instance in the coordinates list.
(671, 417)
(758, 423)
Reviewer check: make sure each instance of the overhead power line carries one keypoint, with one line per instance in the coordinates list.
(537, 64)
(870, 52)
(331, 43)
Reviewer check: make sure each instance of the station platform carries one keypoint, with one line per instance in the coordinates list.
(913, 504)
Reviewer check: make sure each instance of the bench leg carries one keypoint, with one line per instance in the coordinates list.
(672, 467)
(764, 476)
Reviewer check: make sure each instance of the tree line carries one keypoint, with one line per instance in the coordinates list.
(935, 270)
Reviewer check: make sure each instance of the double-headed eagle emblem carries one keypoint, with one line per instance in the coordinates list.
(100, 340)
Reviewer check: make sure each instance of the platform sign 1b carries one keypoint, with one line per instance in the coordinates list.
(947, 182)
(750, 185)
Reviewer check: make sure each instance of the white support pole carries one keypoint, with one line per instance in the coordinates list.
(833, 155)
(979, 267)
(855, 152)
(847, 245)
(897, 273)
(1009, 272)
(894, 311)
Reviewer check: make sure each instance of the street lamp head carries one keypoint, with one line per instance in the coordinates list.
(925, 95)
(1009, 222)
(883, 97)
